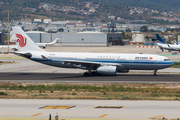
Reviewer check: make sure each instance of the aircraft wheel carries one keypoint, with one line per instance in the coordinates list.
(155, 73)
(86, 74)
(94, 73)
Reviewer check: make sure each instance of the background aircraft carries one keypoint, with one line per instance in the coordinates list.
(95, 63)
(163, 45)
(43, 45)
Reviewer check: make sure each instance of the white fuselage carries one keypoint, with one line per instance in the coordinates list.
(83, 60)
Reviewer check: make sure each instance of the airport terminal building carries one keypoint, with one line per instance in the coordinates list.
(79, 38)
(91, 39)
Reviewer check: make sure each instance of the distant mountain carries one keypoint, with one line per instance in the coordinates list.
(77, 10)
(161, 5)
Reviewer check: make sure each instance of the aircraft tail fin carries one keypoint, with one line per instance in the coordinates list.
(23, 41)
(54, 42)
(159, 39)
(175, 42)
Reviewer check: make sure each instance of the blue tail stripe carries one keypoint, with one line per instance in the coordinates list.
(159, 39)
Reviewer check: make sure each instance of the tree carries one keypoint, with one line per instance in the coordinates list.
(147, 37)
(60, 30)
(128, 30)
(144, 28)
(19, 23)
(40, 29)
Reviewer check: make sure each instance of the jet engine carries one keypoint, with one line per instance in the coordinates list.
(107, 70)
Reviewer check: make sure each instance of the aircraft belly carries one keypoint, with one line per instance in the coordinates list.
(134, 66)
(125, 66)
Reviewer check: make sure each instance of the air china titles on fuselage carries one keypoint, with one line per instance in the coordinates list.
(143, 58)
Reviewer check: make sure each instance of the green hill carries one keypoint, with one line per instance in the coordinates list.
(162, 5)
(107, 7)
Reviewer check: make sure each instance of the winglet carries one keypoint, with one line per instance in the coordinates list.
(159, 39)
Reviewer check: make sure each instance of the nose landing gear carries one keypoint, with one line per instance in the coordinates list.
(155, 73)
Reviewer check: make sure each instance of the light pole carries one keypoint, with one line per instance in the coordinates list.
(50, 23)
(50, 27)
(8, 32)
(8, 29)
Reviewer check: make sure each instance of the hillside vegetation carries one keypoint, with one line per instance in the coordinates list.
(106, 8)
(162, 5)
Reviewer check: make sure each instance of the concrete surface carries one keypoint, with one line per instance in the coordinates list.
(85, 109)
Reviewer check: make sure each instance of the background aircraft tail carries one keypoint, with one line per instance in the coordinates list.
(159, 39)
(54, 42)
(23, 41)
(175, 42)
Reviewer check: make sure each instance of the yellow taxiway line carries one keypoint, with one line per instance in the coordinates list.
(156, 117)
(104, 115)
(36, 114)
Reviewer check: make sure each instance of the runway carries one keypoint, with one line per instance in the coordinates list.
(78, 77)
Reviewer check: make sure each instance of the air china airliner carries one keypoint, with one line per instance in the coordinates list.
(94, 63)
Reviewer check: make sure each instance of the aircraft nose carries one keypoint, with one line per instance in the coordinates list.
(171, 63)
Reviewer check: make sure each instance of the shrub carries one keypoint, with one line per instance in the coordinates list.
(74, 93)
(3, 93)
(125, 98)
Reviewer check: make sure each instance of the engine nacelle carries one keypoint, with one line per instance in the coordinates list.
(107, 70)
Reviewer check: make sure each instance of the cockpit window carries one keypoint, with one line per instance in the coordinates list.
(166, 59)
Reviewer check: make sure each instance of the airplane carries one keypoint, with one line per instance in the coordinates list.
(163, 45)
(43, 45)
(94, 63)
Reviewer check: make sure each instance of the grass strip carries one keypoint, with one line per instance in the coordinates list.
(12, 58)
(176, 65)
(101, 91)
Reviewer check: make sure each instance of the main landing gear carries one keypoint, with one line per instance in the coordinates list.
(155, 73)
(94, 73)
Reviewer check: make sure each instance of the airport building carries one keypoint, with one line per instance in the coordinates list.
(1, 38)
(91, 39)
(78, 38)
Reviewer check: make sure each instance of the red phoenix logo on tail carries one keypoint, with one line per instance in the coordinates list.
(21, 40)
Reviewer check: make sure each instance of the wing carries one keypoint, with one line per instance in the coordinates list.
(88, 63)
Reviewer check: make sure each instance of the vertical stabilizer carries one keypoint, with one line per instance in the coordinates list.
(159, 39)
(175, 42)
(54, 42)
(23, 41)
